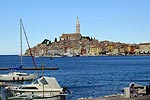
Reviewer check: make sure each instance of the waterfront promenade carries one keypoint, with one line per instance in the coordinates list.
(146, 97)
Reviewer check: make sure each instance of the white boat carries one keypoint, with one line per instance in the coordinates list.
(18, 76)
(21, 97)
(34, 97)
(44, 88)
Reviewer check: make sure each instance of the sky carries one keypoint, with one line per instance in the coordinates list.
(126, 21)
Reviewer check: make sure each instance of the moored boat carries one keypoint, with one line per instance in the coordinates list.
(17, 76)
(44, 88)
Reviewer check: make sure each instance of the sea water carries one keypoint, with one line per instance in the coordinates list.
(89, 76)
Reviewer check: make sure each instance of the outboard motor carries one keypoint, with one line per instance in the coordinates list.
(65, 91)
(148, 89)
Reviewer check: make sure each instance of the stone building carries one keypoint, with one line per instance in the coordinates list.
(95, 50)
(144, 48)
(72, 36)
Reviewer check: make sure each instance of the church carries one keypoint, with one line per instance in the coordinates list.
(72, 36)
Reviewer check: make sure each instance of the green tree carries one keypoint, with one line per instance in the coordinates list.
(55, 40)
(46, 41)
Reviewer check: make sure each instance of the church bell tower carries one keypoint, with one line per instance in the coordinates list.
(77, 26)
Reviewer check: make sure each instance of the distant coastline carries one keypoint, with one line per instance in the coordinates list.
(75, 44)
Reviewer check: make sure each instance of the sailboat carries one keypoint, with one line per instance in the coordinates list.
(16, 75)
(43, 88)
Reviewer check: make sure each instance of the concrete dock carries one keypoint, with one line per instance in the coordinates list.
(140, 93)
(146, 97)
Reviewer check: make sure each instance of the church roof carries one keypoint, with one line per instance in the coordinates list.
(70, 35)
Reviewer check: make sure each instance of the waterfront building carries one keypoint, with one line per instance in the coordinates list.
(115, 51)
(83, 51)
(137, 51)
(132, 49)
(128, 48)
(95, 50)
(121, 50)
(110, 48)
(144, 48)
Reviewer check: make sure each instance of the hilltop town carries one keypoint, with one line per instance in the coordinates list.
(75, 44)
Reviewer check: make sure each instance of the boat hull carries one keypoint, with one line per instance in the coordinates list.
(59, 97)
(44, 88)
(17, 77)
(49, 98)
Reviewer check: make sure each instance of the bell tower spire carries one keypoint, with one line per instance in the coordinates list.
(77, 26)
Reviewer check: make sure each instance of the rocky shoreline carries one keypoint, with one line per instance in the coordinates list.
(139, 93)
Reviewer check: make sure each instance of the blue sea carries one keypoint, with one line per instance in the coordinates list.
(90, 76)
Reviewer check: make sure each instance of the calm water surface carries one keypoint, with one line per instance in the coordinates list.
(90, 76)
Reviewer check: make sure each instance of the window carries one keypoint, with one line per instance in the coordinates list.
(35, 82)
(29, 88)
(43, 81)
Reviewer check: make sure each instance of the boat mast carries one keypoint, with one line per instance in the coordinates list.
(28, 45)
(43, 77)
(21, 41)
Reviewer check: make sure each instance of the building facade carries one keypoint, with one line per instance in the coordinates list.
(144, 48)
